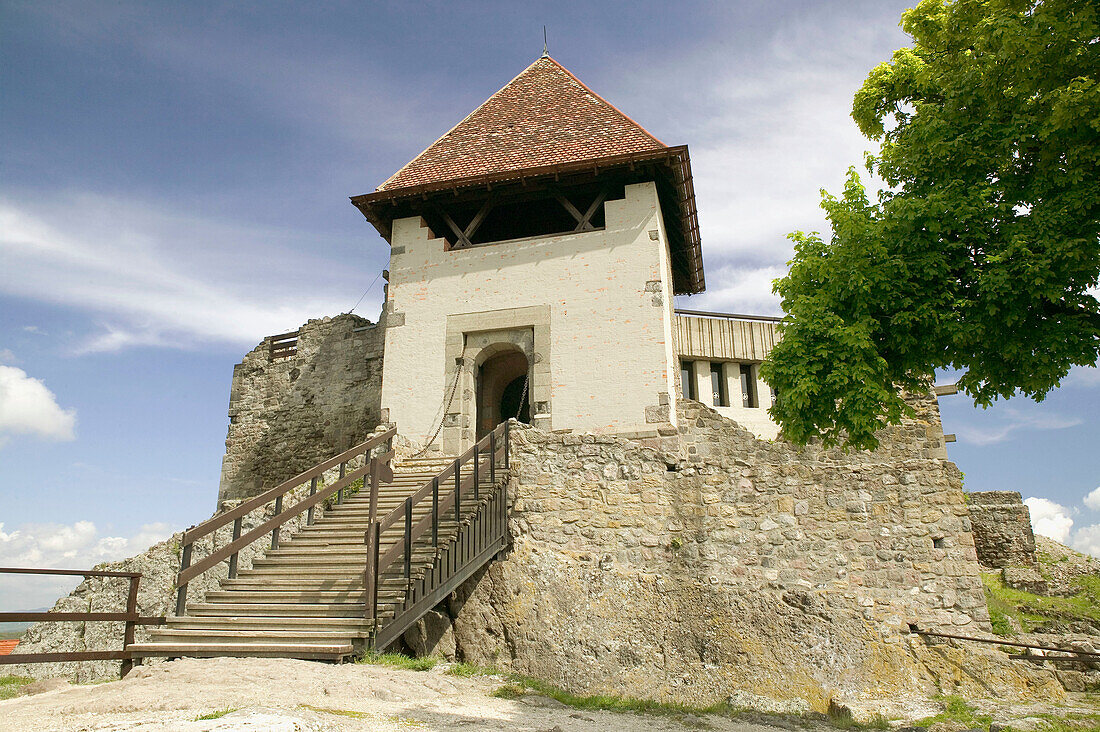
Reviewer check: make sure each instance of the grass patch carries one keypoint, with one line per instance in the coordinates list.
(956, 709)
(216, 714)
(10, 685)
(1032, 611)
(398, 660)
(467, 670)
(509, 691)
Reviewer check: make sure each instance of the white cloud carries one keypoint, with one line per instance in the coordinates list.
(1087, 539)
(154, 278)
(6, 356)
(62, 546)
(744, 290)
(28, 407)
(1083, 376)
(1049, 518)
(1000, 425)
(1092, 500)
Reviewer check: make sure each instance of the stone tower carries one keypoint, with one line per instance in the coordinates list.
(535, 251)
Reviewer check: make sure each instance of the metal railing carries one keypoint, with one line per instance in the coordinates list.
(482, 533)
(727, 316)
(1074, 654)
(377, 468)
(130, 617)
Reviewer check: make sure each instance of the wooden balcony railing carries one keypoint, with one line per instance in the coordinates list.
(130, 617)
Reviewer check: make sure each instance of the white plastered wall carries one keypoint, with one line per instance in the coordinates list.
(612, 362)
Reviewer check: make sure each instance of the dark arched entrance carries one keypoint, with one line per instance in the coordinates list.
(500, 391)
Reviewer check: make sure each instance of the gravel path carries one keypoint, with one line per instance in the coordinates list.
(280, 695)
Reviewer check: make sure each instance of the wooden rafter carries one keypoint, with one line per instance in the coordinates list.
(464, 237)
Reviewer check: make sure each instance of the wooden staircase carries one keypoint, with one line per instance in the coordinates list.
(315, 596)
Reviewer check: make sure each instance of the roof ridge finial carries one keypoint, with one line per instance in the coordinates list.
(545, 52)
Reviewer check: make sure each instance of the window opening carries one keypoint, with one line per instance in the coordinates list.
(748, 387)
(718, 386)
(687, 380)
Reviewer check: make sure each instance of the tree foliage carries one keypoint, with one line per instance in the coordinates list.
(980, 253)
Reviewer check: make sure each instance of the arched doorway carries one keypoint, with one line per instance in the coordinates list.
(500, 391)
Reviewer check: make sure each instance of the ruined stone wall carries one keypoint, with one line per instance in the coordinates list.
(715, 566)
(288, 414)
(1002, 529)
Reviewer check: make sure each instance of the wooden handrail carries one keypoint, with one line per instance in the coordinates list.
(377, 467)
(130, 617)
(268, 526)
(216, 522)
(481, 511)
(68, 572)
(425, 490)
(495, 445)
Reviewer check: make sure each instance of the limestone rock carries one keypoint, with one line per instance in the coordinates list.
(432, 635)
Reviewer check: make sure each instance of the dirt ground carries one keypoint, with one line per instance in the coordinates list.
(283, 696)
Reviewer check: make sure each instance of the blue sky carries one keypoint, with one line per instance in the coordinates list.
(173, 187)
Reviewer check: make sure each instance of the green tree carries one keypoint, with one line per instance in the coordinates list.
(980, 252)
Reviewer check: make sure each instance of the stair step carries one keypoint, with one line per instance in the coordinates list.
(315, 651)
(276, 610)
(245, 623)
(229, 635)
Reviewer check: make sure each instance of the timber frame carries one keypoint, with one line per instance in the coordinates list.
(669, 168)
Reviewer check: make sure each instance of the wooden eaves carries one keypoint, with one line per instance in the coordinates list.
(677, 200)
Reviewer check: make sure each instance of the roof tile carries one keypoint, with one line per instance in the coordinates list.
(544, 116)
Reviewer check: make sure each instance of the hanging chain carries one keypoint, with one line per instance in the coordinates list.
(446, 409)
(526, 381)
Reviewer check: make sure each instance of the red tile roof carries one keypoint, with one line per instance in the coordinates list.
(544, 116)
(7, 646)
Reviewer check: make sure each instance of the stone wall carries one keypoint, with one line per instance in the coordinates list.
(714, 566)
(288, 414)
(1002, 529)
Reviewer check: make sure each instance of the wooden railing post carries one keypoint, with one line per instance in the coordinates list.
(458, 491)
(374, 593)
(408, 540)
(477, 459)
(312, 492)
(181, 592)
(233, 559)
(340, 493)
(507, 442)
(435, 511)
(370, 578)
(128, 634)
(493, 457)
(275, 531)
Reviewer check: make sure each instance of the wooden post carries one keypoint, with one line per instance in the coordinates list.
(458, 491)
(477, 459)
(340, 493)
(128, 635)
(370, 578)
(181, 593)
(507, 441)
(233, 559)
(312, 491)
(493, 457)
(408, 541)
(275, 531)
(435, 511)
